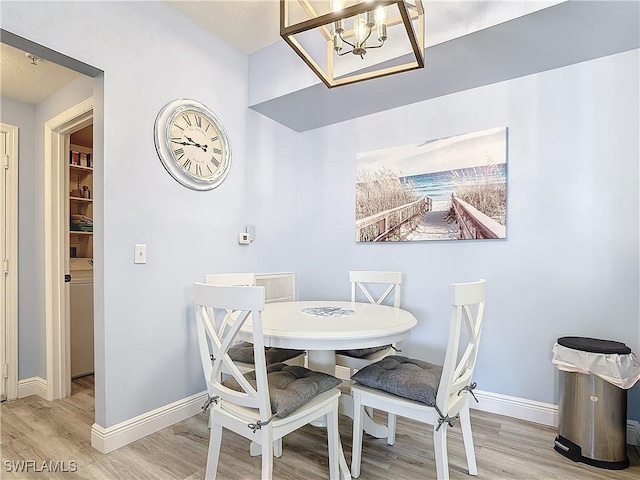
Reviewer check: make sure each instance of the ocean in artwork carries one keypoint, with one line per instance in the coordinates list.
(439, 185)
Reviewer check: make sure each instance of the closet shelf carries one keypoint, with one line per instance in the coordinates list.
(80, 199)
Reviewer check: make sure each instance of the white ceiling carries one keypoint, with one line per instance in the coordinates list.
(247, 25)
(28, 83)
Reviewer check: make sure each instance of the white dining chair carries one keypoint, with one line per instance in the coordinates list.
(245, 403)
(364, 284)
(242, 352)
(424, 392)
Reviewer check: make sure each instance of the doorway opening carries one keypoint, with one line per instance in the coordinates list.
(80, 228)
(58, 155)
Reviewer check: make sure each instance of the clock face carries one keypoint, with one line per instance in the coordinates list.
(192, 144)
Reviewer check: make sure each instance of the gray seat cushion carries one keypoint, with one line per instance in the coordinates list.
(402, 376)
(290, 387)
(243, 352)
(362, 352)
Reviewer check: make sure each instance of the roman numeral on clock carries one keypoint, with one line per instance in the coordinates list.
(186, 119)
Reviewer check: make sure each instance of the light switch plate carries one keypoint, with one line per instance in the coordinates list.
(140, 253)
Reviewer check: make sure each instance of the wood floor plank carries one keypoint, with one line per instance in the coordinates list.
(506, 449)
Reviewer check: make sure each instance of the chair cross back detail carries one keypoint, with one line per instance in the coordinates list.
(221, 311)
(361, 281)
(457, 370)
(230, 279)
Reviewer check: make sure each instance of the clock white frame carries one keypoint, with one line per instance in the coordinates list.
(162, 138)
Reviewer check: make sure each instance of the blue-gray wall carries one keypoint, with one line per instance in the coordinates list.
(31, 352)
(569, 266)
(570, 263)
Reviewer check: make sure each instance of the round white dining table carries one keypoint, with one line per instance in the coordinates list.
(322, 327)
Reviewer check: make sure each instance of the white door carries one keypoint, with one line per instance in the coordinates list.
(9, 258)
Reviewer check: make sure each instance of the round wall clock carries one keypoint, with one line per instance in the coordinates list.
(192, 144)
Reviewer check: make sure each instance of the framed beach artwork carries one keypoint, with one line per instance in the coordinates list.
(452, 188)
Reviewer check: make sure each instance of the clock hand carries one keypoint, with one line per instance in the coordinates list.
(191, 143)
(203, 147)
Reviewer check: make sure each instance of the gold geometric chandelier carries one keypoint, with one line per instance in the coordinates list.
(348, 41)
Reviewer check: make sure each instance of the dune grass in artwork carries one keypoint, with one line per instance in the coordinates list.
(485, 190)
(380, 191)
(446, 189)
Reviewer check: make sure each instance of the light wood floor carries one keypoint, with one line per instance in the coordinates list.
(34, 429)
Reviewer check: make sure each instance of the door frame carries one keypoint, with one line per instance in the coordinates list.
(11, 278)
(56, 257)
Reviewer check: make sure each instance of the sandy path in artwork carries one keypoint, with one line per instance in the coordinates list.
(434, 225)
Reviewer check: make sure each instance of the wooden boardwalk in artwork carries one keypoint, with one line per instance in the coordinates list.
(434, 225)
(426, 219)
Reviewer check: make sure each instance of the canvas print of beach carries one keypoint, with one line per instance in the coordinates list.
(452, 188)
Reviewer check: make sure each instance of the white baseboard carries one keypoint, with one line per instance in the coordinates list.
(106, 440)
(633, 432)
(32, 386)
(532, 411)
(521, 408)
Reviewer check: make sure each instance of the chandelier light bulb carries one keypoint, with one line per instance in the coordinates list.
(381, 15)
(381, 23)
(360, 29)
(337, 5)
(338, 27)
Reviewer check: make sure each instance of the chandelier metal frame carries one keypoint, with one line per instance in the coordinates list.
(326, 26)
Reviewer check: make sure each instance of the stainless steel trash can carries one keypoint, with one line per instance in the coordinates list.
(592, 413)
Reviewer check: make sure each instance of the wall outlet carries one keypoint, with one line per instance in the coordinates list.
(244, 238)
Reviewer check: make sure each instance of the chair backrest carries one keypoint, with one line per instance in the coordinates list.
(467, 307)
(220, 312)
(230, 279)
(364, 282)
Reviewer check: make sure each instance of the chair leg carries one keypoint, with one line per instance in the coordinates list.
(440, 447)
(267, 453)
(277, 448)
(215, 439)
(391, 429)
(333, 437)
(467, 437)
(358, 421)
